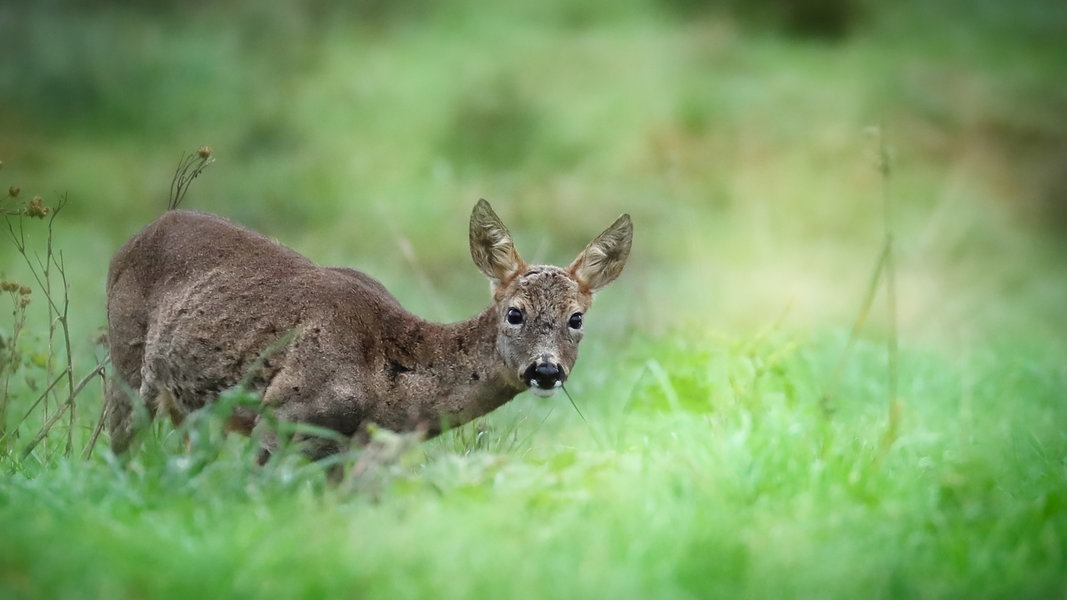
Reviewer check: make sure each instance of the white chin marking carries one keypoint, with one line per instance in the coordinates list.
(541, 392)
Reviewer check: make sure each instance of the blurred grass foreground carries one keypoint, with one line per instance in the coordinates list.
(742, 440)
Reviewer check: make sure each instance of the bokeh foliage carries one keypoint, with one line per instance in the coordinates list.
(735, 132)
(741, 136)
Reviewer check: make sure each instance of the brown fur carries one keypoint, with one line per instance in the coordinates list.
(197, 305)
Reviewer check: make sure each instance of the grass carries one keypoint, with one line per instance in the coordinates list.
(743, 489)
(737, 440)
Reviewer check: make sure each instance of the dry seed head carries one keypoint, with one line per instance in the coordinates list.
(13, 191)
(204, 151)
(24, 301)
(25, 290)
(36, 208)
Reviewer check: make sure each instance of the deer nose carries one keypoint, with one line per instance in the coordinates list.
(544, 375)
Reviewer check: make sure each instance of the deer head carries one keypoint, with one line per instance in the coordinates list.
(540, 308)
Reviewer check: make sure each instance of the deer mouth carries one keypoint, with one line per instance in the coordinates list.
(541, 392)
(544, 378)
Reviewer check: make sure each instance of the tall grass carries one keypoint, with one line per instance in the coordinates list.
(747, 489)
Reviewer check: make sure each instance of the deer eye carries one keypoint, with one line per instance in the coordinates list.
(514, 316)
(575, 322)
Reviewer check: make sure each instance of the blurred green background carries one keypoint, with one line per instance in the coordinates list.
(736, 445)
(742, 137)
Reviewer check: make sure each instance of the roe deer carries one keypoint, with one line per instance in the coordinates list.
(197, 305)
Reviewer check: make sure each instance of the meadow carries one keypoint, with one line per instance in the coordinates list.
(835, 366)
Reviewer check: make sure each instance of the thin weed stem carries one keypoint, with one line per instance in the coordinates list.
(592, 432)
(50, 273)
(87, 452)
(190, 166)
(67, 405)
(576, 409)
(41, 398)
(853, 335)
(885, 163)
(885, 268)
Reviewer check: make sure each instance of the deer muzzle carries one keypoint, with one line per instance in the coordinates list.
(544, 376)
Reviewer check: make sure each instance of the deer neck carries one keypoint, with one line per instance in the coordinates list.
(449, 374)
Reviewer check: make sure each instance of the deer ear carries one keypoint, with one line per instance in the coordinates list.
(603, 259)
(492, 249)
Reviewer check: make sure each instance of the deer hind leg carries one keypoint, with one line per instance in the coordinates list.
(132, 409)
(120, 415)
(128, 413)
